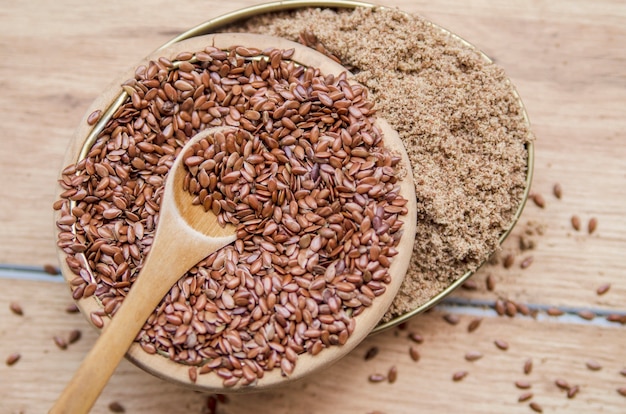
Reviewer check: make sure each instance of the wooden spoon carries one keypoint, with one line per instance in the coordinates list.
(186, 234)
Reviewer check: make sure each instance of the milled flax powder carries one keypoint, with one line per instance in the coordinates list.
(458, 116)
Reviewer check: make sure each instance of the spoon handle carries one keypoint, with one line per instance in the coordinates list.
(97, 367)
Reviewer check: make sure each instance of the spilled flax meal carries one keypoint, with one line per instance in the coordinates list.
(460, 120)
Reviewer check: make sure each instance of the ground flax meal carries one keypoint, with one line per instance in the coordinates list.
(458, 116)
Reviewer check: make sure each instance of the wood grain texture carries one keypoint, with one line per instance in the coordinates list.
(567, 60)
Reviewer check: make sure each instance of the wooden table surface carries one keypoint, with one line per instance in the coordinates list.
(568, 61)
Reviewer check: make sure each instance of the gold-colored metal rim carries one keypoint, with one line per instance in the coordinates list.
(248, 12)
(222, 21)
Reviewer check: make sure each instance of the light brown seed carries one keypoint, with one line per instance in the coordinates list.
(116, 407)
(557, 190)
(16, 308)
(415, 337)
(470, 285)
(561, 383)
(526, 262)
(523, 385)
(593, 365)
(500, 307)
(572, 391)
(535, 407)
(575, 220)
(539, 200)
(94, 117)
(13, 358)
(509, 259)
(474, 324)
(74, 336)
(459, 375)
(60, 342)
(414, 353)
(473, 355)
(525, 396)
(528, 366)
(72, 308)
(490, 282)
(371, 353)
(376, 378)
(623, 372)
(602, 289)
(452, 318)
(622, 391)
(586, 314)
(554, 311)
(592, 225)
(501, 344)
(392, 374)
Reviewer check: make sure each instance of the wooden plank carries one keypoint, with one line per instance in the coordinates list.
(558, 348)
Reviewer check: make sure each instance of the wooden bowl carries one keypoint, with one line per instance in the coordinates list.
(162, 366)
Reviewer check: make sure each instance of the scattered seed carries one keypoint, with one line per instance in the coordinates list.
(94, 117)
(592, 225)
(116, 407)
(415, 337)
(622, 391)
(539, 200)
(572, 391)
(535, 407)
(509, 259)
(459, 375)
(575, 220)
(526, 262)
(470, 285)
(554, 312)
(51, 269)
(593, 365)
(473, 355)
(376, 378)
(474, 324)
(602, 289)
(528, 366)
(557, 190)
(392, 375)
(616, 317)
(193, 374)
(511, 308)
(451, 318)
(414, 353)
(74, 336)
(96, 320)
(490, 281)
(623, 372)
(500, 307)
(562, 384)
(60, 342)
(16, 308)
(13, 358)
(501, 344)
(525, 397)
(586, 314)
(523, 385)
(371, 353)
(72, 308)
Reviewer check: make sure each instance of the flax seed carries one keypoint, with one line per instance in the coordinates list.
(415, 337)
(593, 365)
(459, 375)
(575, 220)
(392, 375)
(562, 384)
(414, 353)
(557, 190)
(474, 324)
(602, 289)
(554, 311)
(526, 262)
(523, 385)
(13, 358)
(371, 353)
(116, 407)
(592, 225)
(572, 391)
(525, 397)
(376, 378)
(535, 407)
(528, 366)
(16, 308)
(501, 344)
(451, 318)
(509, 259)
(60, 342)
(539, 200)
(473, 356)
(622, 391)
(490, 282)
